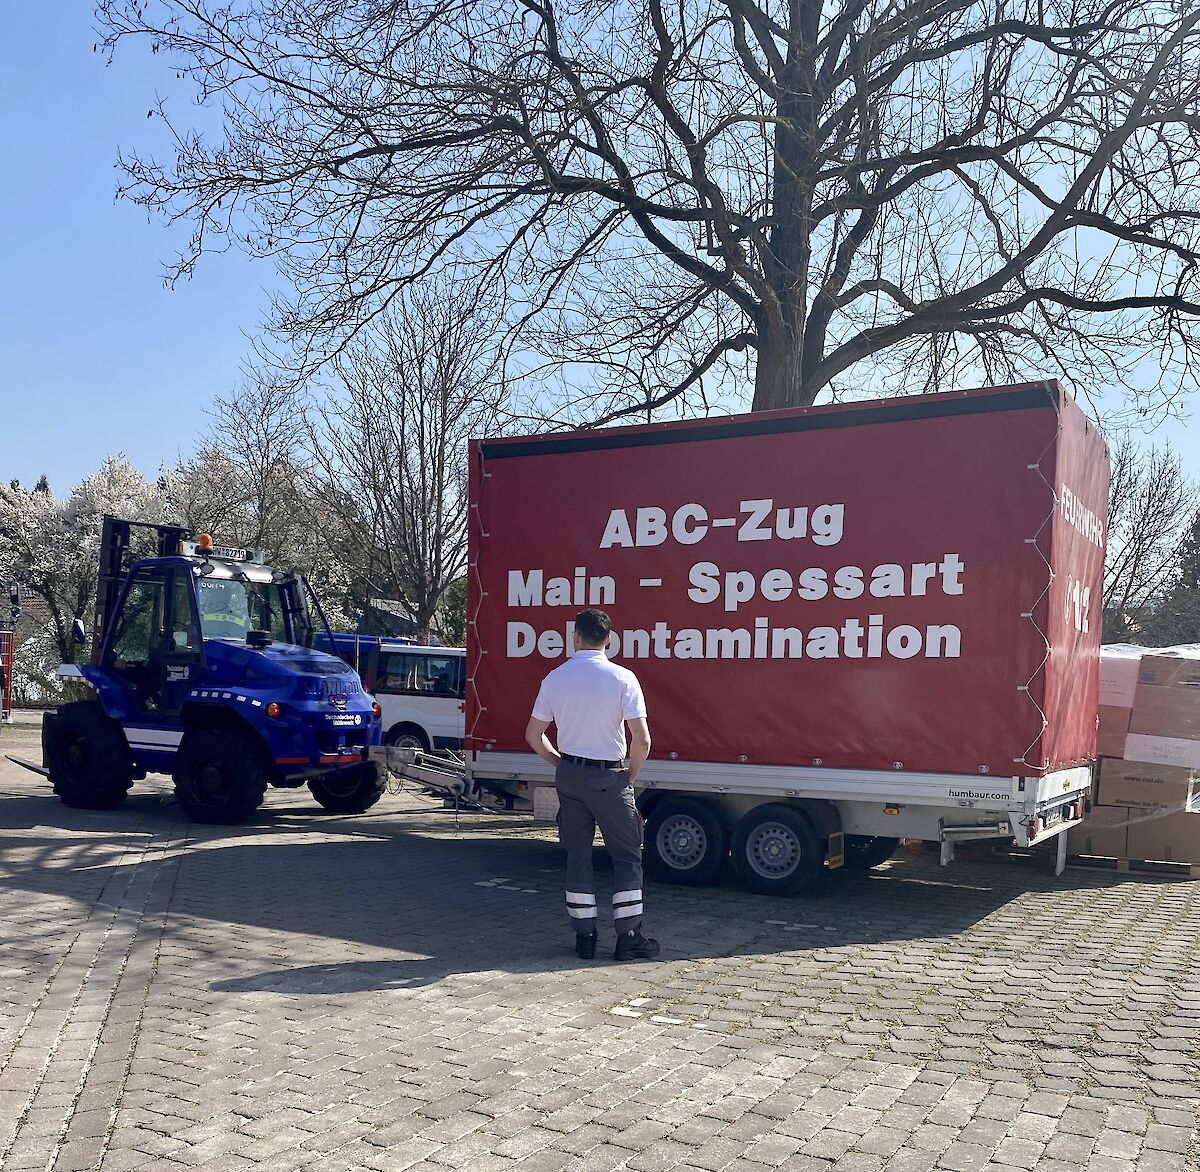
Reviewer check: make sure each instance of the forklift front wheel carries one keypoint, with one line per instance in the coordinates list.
(351, 790)
(220, 775)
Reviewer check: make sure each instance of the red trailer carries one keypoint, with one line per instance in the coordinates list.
(853, 623)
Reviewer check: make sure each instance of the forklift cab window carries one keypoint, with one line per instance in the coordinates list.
(223, 610)
(138, 635)
(230, 608)
(185, 636)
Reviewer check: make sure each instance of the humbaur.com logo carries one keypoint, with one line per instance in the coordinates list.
(978, 793)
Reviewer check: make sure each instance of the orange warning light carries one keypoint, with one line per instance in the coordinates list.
(205, 544)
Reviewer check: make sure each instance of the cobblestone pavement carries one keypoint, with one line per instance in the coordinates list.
(394, 991)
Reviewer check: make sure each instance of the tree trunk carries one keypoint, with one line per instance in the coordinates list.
(778, 379)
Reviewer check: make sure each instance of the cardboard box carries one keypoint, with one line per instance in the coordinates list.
(1173, 838)
(1170, 710)
(1112, 730)
(1180, 752)
(1180, 669)
(1137, 786)
(1106, 832)
(1119, 664)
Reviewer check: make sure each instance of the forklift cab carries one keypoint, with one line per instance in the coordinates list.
(155, 646)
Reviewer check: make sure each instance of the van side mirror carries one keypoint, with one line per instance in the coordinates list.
(78, 632)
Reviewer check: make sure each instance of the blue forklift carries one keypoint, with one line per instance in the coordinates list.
(205, 666)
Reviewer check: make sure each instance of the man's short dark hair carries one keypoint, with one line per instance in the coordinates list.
(594, 626)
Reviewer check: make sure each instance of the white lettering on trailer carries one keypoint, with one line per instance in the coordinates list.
(533, 589)
(735, 588)
(1080, 517)
(760, 520)
(934, 641)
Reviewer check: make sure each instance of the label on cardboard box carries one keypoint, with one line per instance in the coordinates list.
(1139, 786)
(1180, 752)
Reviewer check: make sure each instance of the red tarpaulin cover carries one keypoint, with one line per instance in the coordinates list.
(866, 585)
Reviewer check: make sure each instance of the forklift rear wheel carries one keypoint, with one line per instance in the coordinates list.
(88, 758)
(351, 790)
(220, 775)
(775, 850)
(685, 842)
(864, 851)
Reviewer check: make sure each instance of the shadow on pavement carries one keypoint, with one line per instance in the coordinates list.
(484, 898)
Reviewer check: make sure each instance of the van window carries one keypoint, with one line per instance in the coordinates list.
(402, 673)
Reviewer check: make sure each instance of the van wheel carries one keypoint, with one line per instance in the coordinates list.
(775, 850)
(87, 755)
(864, 851)
(685, 842)
(351, 790)
(406, 736)
(220, 775)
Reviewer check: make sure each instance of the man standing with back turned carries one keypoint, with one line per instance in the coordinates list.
(591, 700)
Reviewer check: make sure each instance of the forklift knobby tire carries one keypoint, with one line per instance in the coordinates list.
(775, 850)
(351, 790)
(864, 851)
(685, 842)
(87, 756)
(220, 775)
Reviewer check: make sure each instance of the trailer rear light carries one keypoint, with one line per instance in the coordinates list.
(273, 710)
(1036, 828)
(1080, 808)
(891, 809)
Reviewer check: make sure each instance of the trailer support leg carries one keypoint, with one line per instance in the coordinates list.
(947, 851)
(1060, 862)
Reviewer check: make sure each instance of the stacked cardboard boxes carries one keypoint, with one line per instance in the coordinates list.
(1146, 804)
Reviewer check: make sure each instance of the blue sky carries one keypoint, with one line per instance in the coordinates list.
(97, 356)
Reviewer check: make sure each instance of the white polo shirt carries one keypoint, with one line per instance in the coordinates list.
(589, 698)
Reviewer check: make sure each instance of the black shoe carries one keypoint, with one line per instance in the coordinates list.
(585, 946)
(634, 946)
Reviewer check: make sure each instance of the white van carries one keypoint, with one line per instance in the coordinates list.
(421, 690)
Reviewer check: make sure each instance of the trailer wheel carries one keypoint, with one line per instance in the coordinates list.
(406, 736)
(87, 756)
(776, 851)
(685, 842)
(864, 851)
(220, 775)
(351, 790)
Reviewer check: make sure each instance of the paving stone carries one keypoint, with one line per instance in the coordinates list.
(286, 995)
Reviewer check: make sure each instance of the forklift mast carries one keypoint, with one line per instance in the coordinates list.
(117, 554)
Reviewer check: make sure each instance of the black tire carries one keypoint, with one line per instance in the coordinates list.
(775, 850)
(351, 790)
(88, 757)
(221, 775)
(685, 842)
(864, 851)
(407, 736)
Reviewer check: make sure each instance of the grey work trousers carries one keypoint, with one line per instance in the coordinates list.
(588, 797)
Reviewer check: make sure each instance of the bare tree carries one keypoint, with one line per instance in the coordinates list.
(836, 194)
(247, 481)
(1152, 507)
(389, 444)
